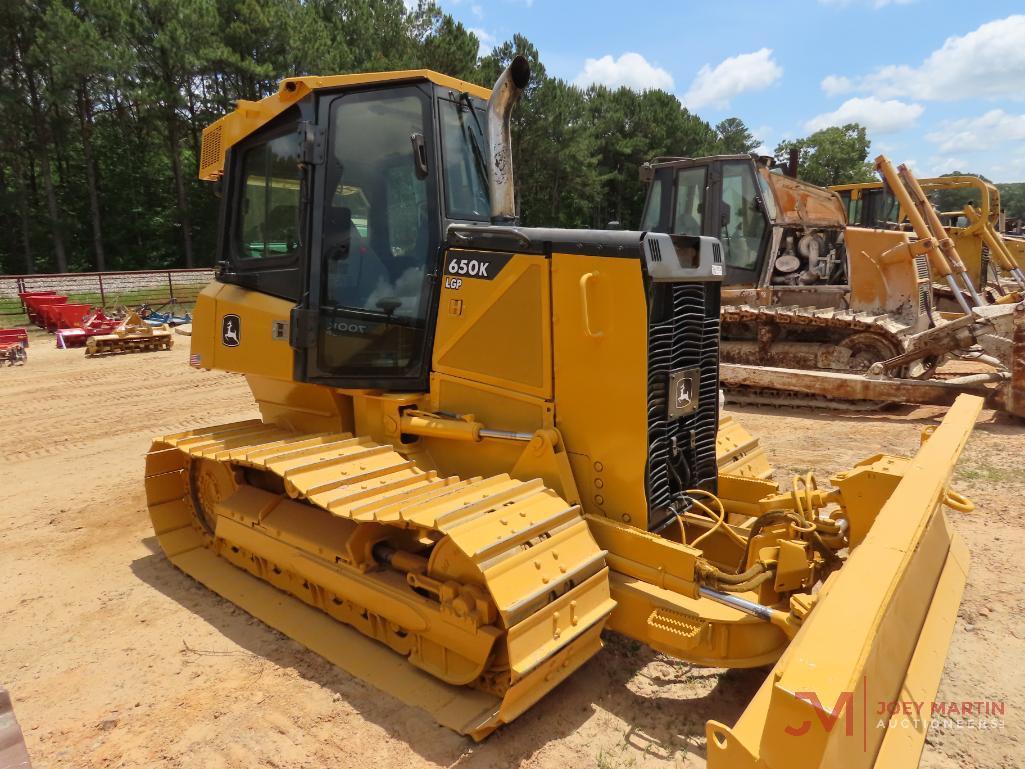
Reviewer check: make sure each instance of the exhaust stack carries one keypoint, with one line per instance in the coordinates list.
(507, 91)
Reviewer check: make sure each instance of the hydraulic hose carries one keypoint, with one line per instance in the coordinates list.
(736, 583)
(713, 574)
(719, 517)
(751, 584)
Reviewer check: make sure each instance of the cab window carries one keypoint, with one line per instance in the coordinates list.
(464, 156)
(268, 222)
(742, 220)
(652, 215)
(690, 198)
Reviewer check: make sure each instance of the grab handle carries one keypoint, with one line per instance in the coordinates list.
(586, 279)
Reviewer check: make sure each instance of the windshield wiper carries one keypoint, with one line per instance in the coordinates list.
(478, 154)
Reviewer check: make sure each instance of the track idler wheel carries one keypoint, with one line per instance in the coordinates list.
(866, 349)
(210, 482)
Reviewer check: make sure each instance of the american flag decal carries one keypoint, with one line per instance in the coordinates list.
(194, 360)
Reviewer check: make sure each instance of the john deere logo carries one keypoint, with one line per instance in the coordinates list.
(683, 396)
(231, 331)
(683, 392)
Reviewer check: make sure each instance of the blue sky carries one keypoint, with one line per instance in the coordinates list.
(940, 85)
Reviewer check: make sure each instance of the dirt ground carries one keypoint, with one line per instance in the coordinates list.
(115, 659)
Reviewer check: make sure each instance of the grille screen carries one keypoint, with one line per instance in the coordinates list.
(210, 153)
(922, 267)
(683, 332)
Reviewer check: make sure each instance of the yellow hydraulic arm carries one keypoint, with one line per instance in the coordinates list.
(999, 253)
(943, 256)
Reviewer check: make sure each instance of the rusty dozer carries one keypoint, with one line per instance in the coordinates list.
(481, 445)
(132, 334)
(816, 310)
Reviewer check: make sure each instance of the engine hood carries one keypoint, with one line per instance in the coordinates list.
(802, 204)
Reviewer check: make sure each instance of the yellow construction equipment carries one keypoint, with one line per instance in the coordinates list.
(818, 311)
(482, 444)
(992, 258)
(132, 334)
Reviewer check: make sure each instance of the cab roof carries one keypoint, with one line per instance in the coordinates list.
(249, 116)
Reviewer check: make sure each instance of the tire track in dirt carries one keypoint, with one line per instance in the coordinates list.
(106, 397)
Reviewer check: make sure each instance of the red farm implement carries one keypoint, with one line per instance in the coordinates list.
(13, 342)
(35, 301)
(95, 324)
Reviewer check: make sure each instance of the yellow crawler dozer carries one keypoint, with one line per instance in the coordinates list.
(481, 444)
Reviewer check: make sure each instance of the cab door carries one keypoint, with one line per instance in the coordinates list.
(373, 262)
(741, 223)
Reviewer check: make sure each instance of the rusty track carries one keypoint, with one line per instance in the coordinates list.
(839, 322)
(772, 325)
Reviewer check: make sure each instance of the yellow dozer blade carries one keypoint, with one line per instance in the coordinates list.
(878, 634)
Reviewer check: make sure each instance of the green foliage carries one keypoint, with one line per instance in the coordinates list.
(1012, 199)
(955, 200)
(103, 104)
(734, 137)
(834, 155)
(1012, 196)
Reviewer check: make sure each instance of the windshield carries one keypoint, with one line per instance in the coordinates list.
(377, 234)
(767, 196)
(464, 156)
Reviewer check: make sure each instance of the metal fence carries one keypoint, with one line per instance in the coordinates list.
(155, 288)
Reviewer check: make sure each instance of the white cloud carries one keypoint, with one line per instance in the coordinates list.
(716, 86)
(631, 70)
(939, 165)
(834, 85)
(985, 132)
(877, 115)
(486, 39)
(477, 11)
(987, 62)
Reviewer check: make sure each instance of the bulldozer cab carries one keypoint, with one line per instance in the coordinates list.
(776, 232)
(723, 197)
(339, 203)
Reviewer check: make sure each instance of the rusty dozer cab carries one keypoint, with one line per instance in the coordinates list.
(481, 445)
(814, 307)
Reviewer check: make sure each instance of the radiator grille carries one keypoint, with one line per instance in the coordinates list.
(683, 332)
(210, 153)
(922, 267)
(656, 250)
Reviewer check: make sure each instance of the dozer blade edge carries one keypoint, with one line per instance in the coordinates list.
(879, 634)
(1000, 391)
